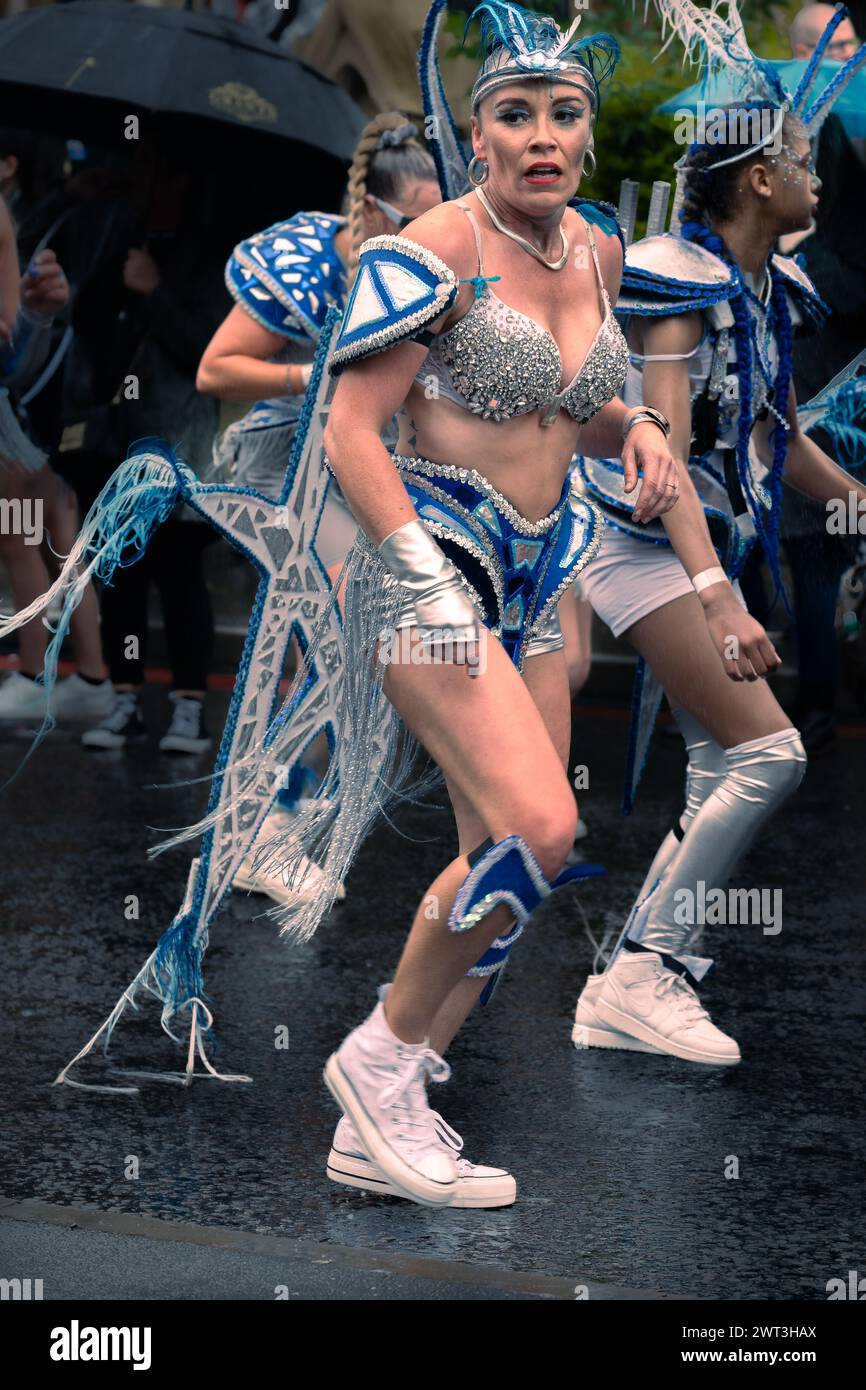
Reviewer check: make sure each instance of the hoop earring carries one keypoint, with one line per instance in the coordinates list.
(589, 153)
(475, 177)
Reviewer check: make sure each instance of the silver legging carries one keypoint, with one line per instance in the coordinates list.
(730, 793)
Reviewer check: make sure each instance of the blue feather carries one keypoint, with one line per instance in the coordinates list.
(844, 423)
(799, 98)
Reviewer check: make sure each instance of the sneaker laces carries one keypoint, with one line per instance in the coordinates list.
(124, 708)
(186, 720)
(405, 1096)
(672, 989)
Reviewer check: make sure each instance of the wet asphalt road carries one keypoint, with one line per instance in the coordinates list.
(621, 1159)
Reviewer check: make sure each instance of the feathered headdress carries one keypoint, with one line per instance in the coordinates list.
(517, 44)
(715, 39)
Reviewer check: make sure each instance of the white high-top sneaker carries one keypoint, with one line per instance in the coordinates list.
(378, 1080)
(591, 1031)
(640, 996)
(249, 879)
(477, 1185)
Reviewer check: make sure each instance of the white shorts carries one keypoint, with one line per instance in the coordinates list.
(630, 578)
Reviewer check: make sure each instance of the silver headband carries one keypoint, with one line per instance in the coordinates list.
(576, 76)
(779, 121)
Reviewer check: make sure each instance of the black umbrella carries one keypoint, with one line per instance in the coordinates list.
(78, 69)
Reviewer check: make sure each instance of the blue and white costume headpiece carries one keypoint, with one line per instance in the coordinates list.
(720, 46)
(518, 44)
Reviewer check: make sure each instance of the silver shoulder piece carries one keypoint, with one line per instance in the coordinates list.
(805, 300)
(668, 275)
(399, 287)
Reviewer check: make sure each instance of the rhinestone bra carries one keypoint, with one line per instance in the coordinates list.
(498, 362)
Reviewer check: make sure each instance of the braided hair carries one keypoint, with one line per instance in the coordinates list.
(387, 157)
(710, 197)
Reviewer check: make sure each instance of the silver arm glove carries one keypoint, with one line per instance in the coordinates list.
(444, 611)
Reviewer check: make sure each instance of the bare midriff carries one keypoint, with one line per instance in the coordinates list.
(523, 460)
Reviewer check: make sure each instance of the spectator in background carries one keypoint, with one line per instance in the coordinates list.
(40, 520)
(809, 24)
(834, 256)
(149, 295)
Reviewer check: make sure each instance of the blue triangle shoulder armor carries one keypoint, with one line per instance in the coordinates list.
(400, 286)
(668, 275)
(289, 275)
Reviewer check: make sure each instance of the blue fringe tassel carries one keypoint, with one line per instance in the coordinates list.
(135, 501)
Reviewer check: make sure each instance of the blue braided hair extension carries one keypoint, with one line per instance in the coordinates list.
(766, 523)
(784, 334)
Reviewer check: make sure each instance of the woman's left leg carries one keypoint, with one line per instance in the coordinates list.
(546, 679)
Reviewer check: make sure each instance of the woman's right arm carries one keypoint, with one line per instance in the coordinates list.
(368, 394)
(233, 365)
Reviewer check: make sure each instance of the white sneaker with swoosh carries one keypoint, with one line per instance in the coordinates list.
(642, 997)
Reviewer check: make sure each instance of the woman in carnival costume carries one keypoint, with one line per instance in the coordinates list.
(284, 280)
(711, 313)
(468, 539)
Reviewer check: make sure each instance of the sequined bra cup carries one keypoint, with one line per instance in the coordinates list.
(499, 363)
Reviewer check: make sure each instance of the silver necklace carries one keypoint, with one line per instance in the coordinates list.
(521, 241)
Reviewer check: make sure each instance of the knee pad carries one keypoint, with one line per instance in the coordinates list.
(505, 872)
(766, 770)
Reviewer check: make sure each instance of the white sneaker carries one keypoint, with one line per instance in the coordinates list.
(22, 698)
(477, 1186)
(187, 732)
(270, 881)
(590, 1031)
(75, 698)
(642, 997)
(122, 723)
(378, 1081)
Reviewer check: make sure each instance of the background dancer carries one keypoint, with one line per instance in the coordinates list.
(717, 359)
